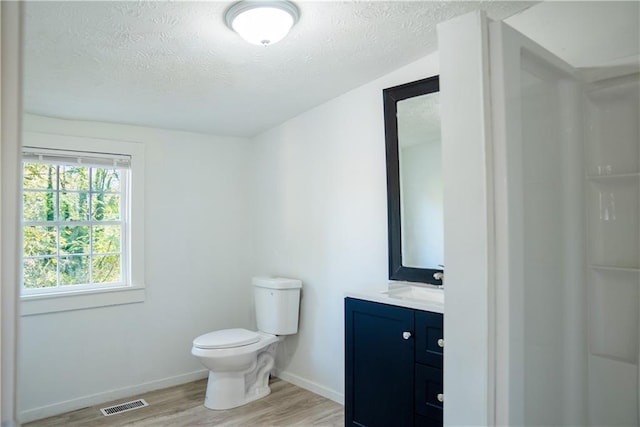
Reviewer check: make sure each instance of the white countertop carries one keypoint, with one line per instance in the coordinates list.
(405, 294)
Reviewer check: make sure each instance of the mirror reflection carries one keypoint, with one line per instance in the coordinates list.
(419, 154)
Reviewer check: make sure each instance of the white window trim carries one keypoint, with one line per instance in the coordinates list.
(132, 292)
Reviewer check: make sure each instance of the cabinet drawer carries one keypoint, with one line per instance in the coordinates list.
(428, 385)
(429, 338)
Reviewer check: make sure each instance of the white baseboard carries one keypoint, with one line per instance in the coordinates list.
(95, 399)
(311, 386)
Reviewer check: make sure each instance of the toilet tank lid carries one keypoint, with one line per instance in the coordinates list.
(276, 283)
(226, 338)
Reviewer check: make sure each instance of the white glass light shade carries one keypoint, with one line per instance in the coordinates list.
(262, 22)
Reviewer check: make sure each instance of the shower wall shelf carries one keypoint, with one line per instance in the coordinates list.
(613, 268)
(614, 177)
(612, 358)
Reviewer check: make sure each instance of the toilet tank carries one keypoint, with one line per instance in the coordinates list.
(277, 304)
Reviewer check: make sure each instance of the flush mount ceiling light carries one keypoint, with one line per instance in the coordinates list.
(262, 22)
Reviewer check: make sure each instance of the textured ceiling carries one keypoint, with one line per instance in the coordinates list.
(176, 65)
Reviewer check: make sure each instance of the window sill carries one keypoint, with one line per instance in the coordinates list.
(40, 304)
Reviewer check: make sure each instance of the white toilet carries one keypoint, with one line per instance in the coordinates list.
(239, 360)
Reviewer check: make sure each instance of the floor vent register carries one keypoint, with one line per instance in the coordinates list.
(124, 407)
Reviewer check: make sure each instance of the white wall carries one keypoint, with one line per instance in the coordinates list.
(321, 215)
(197, 266)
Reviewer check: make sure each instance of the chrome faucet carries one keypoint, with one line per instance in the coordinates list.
(439, 275)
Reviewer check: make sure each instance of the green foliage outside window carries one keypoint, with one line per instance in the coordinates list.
(72, 225)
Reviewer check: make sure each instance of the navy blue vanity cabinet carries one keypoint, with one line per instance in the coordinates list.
(393, 366)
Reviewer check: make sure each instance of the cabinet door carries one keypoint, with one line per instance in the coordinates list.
(428, 389)
(429, 338)
(378, 365)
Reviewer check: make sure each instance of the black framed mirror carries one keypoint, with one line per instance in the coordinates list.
(414, 181)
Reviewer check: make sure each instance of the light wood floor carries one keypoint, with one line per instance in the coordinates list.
(287, 405)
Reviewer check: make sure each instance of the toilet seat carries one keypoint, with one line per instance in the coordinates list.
(226, 338)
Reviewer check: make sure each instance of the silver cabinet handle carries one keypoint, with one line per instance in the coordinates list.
(406, 335)
(441, 343)
(440, 397)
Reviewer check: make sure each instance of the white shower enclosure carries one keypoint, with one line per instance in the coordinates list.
(563, 177)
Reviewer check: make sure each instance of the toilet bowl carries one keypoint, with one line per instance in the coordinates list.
(239, 363)
(239, 360)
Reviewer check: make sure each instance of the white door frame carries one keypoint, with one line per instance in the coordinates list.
(468, 221)
(10, 142)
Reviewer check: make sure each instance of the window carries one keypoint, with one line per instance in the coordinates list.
(82, 223)
(74, 220)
